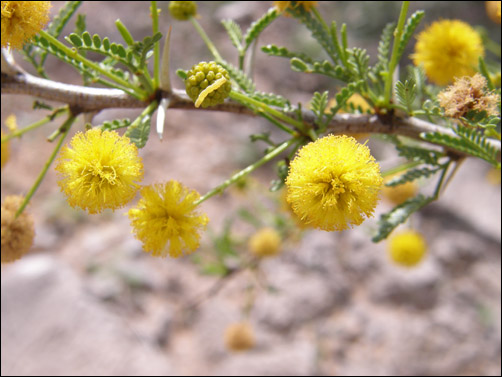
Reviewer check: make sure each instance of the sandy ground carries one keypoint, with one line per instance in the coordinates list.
(88, 301)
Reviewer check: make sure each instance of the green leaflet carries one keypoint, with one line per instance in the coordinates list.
(239, 77)
(139, 133)
(389, 221)
(409, 29)
(234, 32)
(406, 93)
(413, 174)
(258, 26)
(470, 141)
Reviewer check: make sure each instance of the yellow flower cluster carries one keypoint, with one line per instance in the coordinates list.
(407, 248)
(101, 170)
(265, 243)
(17, 233)
(166, 221)
(448, 49)
(239, 337)
(333, 183)
(182, 10)
(21, 20)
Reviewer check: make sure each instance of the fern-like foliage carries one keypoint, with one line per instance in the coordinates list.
(316, 29)
(470, 141)
(115, 124)
(273, 50)
(413, 174)
(57, 24)
(417, 154)
(133, 57)
(342, 97)
(383, 54)
(406, 93)
(271, 99)
(258, 26)
(318, 104)
(409, 29)
(323, 68)
(389, 221)
(139, 131)
(239, 77)
(234, 32)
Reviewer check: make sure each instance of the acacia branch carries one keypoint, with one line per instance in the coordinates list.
(87, 99)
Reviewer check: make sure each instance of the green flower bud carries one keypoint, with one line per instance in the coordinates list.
(207, 84)
(182, 10)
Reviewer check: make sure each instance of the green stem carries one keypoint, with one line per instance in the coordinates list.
(206, 39)
(156, 48)
(261, 107)
(147, 111)
(65, 128)
(441, 179)
(394, 57)
(269, 156)
(138, 93)
(277, 123)
(35, 125)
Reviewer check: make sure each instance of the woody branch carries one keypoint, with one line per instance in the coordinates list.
(87, 99)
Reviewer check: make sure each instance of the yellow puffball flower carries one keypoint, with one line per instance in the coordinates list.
(265, 243)
(182, 10)
(239, 337)
(448, 49)
(5, 151)
(407, 248)
(100, 170)
(281, 6)
(21, 20)
(17, 233)
(493, 10)
(166, 221)
(333, 183)
(400, 193)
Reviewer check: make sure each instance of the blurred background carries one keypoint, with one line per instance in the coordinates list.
(88, 301)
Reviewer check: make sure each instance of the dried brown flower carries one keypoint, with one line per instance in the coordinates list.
(17, 233)
(466, 94)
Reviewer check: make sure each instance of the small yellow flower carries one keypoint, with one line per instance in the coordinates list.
(17, 233)
(400, 193)
(281, 6)
(182, 10)
(448, 49)
(493, 10)
(11, 123)
(21, 20)
(5, 151)
(239, 337)
(468, 93)
(407, 248)
(101, 170)
(166, 221)
(333, 183)
(265, 243)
